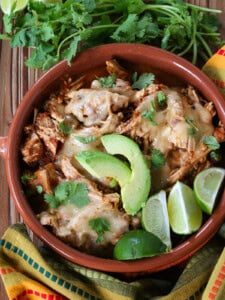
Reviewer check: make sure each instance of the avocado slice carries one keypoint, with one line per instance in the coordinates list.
(134, 193)
(100, 164)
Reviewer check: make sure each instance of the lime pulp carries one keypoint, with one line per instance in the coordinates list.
(185, 216)
(207, 185)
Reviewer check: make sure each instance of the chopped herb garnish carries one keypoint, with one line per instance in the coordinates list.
(100, 226)
(191, 131)
(161, 98)
(68, 192)
(193, 128)
(211, 142)
(107, 82)
(157, 159)
(142, 81)
(26, 177)
(39, 189)
(65, 128)
(150, 114)
(215, 156)
(86, 139)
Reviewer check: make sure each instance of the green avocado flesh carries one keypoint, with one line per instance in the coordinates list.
(135, 193)
(100, 164)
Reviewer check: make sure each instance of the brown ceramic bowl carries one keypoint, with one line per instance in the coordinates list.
(170, 68)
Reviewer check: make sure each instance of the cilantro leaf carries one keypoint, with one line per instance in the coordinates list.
(52, 201)
(100, 226)
(215, 156)
(161, 98)
(107, 82)
(27, 177)
(211, 142)
(193, 128)
(68, 192)
(126, 32)
(86, 139)
(129, 6)
(157, 159)
(143, 81)
(150, 114)
(191, 131)
(71, 51)
(65, 128)
(39, 189)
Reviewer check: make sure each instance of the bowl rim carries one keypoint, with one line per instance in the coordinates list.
(151, 264)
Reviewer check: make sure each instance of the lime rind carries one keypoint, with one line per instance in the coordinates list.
(137, 244)
(207, 185)
(185, 216)
(155, 217)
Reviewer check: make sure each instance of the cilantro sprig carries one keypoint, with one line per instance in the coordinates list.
(193, 128)
(68, 192)
(65, 128)
(211, 142)
(26, 177)
(150, 114)
(157, 159)
(161, 98)
(142, 81)
(100, 226)
(108, 81)
(58, 31)
(86, 139)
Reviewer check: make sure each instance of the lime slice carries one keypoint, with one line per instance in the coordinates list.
(8, 6)
(206, 187)
(137, 244)
(155, 217)
(185, 216)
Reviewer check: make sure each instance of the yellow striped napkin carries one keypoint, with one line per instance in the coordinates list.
(32, 273)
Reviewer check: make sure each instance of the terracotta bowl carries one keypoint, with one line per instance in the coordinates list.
(171, 69)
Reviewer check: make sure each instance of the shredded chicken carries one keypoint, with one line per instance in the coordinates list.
(33, 149)
(47, 130)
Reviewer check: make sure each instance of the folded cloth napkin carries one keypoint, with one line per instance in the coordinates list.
(29, 272)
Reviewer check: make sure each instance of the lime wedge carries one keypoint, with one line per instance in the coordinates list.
(155, 217)
(185, 216)
(137, 244)
(206, 187)
(8, 6)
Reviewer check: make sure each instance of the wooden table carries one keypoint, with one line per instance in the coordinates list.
(15, 80)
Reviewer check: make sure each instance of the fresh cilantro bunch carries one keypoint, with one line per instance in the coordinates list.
(59, 31)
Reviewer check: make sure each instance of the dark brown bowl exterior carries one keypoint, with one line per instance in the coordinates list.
(172, 69)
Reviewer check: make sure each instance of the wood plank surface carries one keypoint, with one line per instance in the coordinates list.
(15, 80)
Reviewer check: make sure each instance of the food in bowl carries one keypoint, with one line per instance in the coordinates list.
(99, 147)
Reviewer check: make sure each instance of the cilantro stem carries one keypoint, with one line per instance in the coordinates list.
(205, 9)
(204, 43)
(82, 31)
(164, 9)
(102, 6)
(112, 11)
